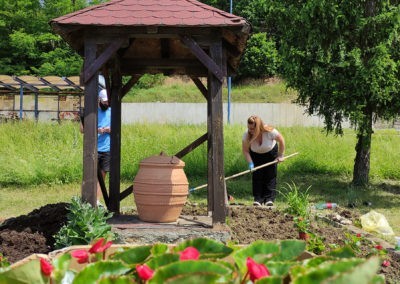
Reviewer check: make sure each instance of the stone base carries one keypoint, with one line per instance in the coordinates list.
(132, 230)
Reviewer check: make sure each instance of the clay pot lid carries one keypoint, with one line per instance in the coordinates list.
(163, 159)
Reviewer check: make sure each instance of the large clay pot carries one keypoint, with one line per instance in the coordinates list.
(160, 189)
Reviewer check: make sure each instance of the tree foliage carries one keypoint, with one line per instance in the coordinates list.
(260, 59)
(27, 43)
(343, 57)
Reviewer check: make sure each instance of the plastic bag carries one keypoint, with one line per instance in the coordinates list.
(376, 222)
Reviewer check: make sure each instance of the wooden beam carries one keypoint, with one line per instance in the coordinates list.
(203, 57)
(126, 193)
(192, 146)
(168, 63)
(188, 71)
(200, 86)
(132, 81)
(93, 68)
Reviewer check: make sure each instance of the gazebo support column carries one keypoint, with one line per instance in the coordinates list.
(89, 182)
(216, 181)
(115, 170)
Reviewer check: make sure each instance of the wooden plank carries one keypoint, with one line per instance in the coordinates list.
(89, 182)
(115, 166)
(130, 70)
(168, 63)
(217, 144)
(93, 68)
(192, 146)
(203, 57)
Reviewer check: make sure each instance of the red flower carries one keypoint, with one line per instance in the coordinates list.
(256, 270)
(46, 267)
(379, 247)
(81, 255)
(144, 272)
(386, 263)
(99, 247)
(189, 253)
(358, 235)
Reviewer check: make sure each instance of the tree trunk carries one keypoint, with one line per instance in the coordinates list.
(363, 152)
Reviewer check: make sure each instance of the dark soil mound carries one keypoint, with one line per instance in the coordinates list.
(33, 233)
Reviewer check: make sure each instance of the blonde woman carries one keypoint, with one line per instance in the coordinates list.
(262, 144)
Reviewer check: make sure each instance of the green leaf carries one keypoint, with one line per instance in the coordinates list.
(208, 248)
(116, 280)
(203, 278)
(363, 272)
(61, 265)
(342, 271)
(258, 248)
(190, 267)
(270, 280)
(159, 249)
(134, 255)
(291, 249)
(162, 260)
(342, 252)
(94, 271)
(279, 268)
(25, 273)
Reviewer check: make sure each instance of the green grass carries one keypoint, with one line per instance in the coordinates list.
(42, 163)
(186, 92)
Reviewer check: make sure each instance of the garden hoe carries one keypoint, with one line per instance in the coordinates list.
(244, 172)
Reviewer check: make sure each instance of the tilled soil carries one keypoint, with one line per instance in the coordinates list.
(33, 233)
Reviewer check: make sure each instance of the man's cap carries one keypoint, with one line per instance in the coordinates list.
(102, 82)
(103, 96)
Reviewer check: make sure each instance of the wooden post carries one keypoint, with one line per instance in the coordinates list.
(89, 182)
(115, 169)
(216, 142)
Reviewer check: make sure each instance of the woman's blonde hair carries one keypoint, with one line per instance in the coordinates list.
(259, 127)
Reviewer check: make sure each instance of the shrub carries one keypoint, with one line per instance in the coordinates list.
(85, 224)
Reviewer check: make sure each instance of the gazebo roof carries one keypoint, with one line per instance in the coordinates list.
(182, 13)
(153, 31)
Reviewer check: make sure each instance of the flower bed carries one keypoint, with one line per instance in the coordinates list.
(199, 260)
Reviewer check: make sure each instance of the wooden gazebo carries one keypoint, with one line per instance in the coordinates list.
(173, 37)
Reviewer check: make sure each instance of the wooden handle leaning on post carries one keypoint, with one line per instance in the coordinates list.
(246, 171)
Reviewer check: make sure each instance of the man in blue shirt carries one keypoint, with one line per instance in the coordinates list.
(103, 137)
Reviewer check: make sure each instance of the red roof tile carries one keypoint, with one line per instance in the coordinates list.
(151, 13)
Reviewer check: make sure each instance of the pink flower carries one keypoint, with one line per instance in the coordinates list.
(256, 270)
(386, 263)
(189, 253)
(144, 272)
(99, 247)
(358, 235)
(46, 267)
(379, 247)
(81, 255)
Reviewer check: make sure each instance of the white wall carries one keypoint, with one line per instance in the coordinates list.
(196, 113)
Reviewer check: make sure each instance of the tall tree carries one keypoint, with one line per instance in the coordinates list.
(343, 57)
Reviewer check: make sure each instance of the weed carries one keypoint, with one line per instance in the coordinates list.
(315, 244)
(296, 200)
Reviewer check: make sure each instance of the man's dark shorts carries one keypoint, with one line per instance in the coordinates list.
(104, 159)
